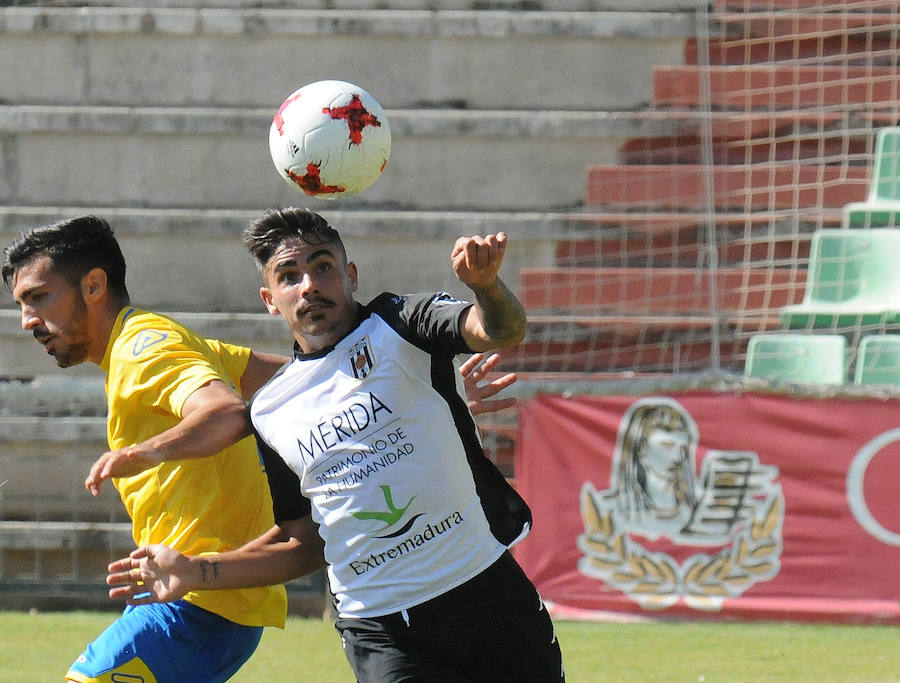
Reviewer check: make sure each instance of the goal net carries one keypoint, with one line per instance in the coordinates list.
(703, 234)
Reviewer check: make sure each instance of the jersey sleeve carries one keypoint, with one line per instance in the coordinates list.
(233, 357)
(163, 374)
(430, 321)
(287, 501)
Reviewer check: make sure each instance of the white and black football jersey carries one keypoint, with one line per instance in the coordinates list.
(373, 437)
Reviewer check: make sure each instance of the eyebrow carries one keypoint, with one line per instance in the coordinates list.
(319, 252)
(292, 262)
(26, 294)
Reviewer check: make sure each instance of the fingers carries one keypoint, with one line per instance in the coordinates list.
(499, 384)
(483, 251)
(489, 363)
(124, 565)
(478, 366)
(101, 470)
(478, 253)
(94, 478)
(133, 594)
(471, 364)
(497, 405)
(124, 579)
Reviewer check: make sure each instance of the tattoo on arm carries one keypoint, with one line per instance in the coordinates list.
(502, 315)
(209, 570)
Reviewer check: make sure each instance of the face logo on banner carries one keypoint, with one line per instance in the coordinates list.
(735, 507)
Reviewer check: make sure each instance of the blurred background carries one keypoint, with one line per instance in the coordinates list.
(694, 193)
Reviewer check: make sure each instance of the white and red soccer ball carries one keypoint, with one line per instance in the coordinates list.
(330, 139)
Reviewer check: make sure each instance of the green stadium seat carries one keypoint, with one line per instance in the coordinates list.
(881, 207)
(853, 279)
(878, 360)
(801, 358)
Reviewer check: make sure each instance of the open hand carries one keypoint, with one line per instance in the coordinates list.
(151, 573)
(474, 370)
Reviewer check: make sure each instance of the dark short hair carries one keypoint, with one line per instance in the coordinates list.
(268, 232)
(74, 246)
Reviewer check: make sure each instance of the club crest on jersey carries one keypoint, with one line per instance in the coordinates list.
(362, 360)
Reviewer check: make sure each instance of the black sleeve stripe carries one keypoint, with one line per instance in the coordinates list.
(287, 501)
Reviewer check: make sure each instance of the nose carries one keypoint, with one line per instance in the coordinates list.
(307, 285)
(29, 318)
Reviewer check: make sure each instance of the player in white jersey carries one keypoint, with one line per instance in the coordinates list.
(372, 454)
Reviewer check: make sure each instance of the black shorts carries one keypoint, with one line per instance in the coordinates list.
(494, 627)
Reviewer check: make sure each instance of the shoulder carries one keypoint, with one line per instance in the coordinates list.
(151, 337)
(430, 320)
(410, 306)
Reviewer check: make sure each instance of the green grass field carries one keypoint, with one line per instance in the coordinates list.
(39, 647)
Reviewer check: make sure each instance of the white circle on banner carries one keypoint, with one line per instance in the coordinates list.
(856, 475)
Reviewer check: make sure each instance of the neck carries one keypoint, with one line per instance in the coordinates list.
(313, 343)
(102, 323)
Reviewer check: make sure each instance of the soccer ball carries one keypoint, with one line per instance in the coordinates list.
(330, 139)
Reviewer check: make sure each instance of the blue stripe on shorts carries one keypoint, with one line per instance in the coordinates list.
(177, 641)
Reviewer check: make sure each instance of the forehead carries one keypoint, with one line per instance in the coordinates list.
(38, 272)
(298, 250)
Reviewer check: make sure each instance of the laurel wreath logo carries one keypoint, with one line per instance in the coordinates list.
(656, 580)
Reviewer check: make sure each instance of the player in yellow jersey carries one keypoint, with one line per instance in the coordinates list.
(171, 393)
(172, 396)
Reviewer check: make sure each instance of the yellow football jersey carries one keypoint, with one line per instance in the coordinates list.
(197, 506)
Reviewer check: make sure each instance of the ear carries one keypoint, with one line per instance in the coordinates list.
(94, 285)
(266, 295)
(353, 276)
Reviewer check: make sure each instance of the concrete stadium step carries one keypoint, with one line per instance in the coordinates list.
(433, 5)
(369, 5)
(216, 157)
(21, 358)
(780, 238)
(49, 535)
(742, 138)
(659, 291)
(762, 5)
(864, 21)
(752, 186)
(153, 56)
(633, 343)
(53, 395)
(758, 85)
(860, 48)
(44, 463)
(192, 260)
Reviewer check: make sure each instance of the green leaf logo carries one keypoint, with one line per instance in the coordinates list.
(393, 513)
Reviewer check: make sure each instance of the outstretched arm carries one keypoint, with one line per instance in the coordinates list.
(497, 320)
(156, 573)
(213, 418)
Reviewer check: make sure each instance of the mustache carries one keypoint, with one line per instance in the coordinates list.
(315, 300)
(40, 333)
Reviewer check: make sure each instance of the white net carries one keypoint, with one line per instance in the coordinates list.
(700, 239)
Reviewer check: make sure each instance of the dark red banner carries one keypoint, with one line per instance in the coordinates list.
(712, 505)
